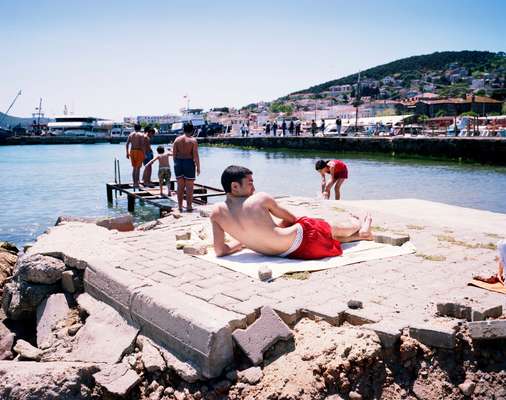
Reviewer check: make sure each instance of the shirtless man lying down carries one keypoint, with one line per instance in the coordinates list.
(247, 217)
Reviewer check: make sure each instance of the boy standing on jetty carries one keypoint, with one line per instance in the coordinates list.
(136, 140)
(163, 168)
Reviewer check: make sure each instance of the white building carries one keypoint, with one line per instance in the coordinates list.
(340, 89)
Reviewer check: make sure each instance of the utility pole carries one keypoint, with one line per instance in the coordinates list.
(357, 102)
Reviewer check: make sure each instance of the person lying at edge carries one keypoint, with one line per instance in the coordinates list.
(247, 217)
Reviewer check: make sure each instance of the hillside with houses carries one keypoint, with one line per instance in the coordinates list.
(438, 84)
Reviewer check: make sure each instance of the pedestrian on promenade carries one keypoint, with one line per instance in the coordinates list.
(274, 127)
(135, 147)
(283, 128)
(186, 161)
(297, 128)
(322, 126)
(248, 217)
(267, 128)
(243, 129)
(163, 168)
(314, 128)
(291, 128)
(338, 172)
(247, 128)
(149, 132)
(338, 125)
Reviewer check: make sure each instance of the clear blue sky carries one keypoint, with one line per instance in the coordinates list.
(118, 58)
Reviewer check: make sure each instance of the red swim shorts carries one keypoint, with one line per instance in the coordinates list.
(340, 170)
(317, 241)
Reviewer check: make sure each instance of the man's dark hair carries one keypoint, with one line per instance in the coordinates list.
(137, 127)
(160, 150)
(187, 127)
(320, 164)
(233, 173)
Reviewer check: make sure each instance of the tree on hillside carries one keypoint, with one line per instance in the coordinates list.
(441, 113)
(503, 108)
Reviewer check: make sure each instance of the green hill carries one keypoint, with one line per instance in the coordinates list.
(414, 67)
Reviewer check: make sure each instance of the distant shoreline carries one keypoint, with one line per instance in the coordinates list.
(488, 151)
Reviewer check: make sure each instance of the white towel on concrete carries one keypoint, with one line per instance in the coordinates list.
(248, 262)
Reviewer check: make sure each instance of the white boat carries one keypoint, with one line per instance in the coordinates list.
(80, 126)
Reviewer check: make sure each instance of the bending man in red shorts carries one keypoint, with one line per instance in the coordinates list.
(338, 172)
(247, 217)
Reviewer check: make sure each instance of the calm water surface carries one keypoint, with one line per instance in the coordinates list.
(45, 181)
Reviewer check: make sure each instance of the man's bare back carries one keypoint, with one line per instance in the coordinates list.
(137, 141)
(184, 147)
(249, 221)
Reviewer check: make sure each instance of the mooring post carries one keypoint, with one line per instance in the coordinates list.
(109, 193)
(131, 203)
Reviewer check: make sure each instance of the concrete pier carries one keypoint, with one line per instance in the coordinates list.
(482, 150)
(191, 307)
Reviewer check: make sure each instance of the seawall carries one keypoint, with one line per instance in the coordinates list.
(482, 150)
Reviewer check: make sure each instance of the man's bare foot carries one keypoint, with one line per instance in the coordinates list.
(365, 230)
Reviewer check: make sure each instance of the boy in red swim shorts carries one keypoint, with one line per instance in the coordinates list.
(338, 172)
(248, 218)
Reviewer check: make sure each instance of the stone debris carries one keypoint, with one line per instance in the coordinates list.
(8, 257)
(52, 380)
(148, 225)
(115, 336)
(195, 249)
(434, 336)
(394, 239)
(117, 379)
(250, 376)
(182, 369)
(204, 213)
(264, 273)
(39, 269)
(49, 313)
(20, 299)
(73, 329)
(261, 335)
(6, 342)
(26, 351)
(183, 235)
(464, 309)
(467, 387)
(122, 223)
(495, 329)
(71, 281)
(151, 356)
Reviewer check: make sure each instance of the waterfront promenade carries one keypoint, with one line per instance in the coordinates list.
(191, 306)
(490, 151)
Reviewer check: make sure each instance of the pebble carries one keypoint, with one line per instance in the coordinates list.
(74, 329)
(355, 396)
(355, 304)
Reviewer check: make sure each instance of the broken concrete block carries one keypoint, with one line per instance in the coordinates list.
(467, 387)
(487, 329)
(26, 351)
(117, 379)
(394, 239)
(151, 356)
(67, 281)
(6, 342)
(332, 312)
(184, 370)
(116, 336)
(262, 334)
(481, 314)
(122, 223)
(434, 336)
(183, 235)
(251, 375)
(49, 313)
(195, 249)
(455, 310)
(388, 332)
(39, 269)
(264, 273)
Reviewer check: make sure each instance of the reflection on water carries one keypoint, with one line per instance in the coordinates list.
(42, 182)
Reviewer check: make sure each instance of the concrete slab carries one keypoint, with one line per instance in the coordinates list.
(49, 312)
(261, 335)
(190, 307)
